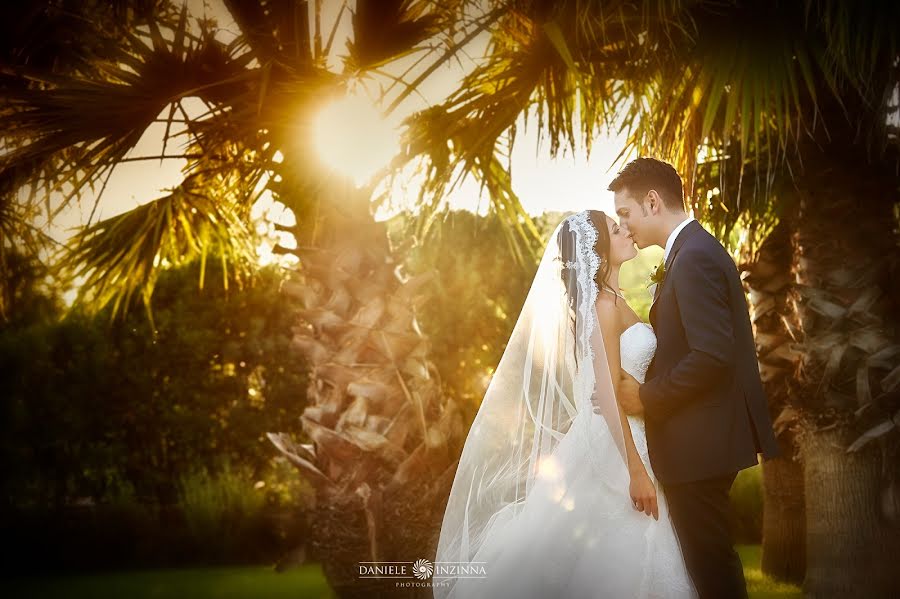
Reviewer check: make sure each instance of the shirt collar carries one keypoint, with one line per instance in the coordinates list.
(671, 240)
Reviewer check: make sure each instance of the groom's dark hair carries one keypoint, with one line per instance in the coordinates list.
(643, 174)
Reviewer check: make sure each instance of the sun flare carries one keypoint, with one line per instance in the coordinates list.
(352, 137)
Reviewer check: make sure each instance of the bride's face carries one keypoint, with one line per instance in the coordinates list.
(621, 245)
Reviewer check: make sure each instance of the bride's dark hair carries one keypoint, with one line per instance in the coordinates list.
(568, 251)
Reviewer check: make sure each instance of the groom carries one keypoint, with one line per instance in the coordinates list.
(704, 408)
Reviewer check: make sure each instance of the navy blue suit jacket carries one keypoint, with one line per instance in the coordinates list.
(705, 410)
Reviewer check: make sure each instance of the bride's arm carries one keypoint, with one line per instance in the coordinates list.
(641, 488)
(610, 326)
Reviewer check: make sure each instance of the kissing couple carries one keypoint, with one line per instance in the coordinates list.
(600, 461)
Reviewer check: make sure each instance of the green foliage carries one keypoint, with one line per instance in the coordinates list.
(25, 295)
(101, 411)
(480, 291)
(747, 505)
(228, 507)
(635, 277)
(220, 507)
(282, 486)
(475, 300)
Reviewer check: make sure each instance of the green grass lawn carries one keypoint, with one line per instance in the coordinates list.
(256, 582)
(260, 582)
(760, 586)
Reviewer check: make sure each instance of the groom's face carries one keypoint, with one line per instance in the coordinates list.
(634, 216)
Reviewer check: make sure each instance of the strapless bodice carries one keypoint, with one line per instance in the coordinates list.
(637, 344)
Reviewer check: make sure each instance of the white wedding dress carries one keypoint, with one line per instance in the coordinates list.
(576, 535)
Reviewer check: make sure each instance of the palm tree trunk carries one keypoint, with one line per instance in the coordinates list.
(849, 539)
(768, 281)
(848, 325)
(383, 441)
(784, 517)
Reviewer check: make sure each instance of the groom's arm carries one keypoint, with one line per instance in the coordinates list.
(701, 292)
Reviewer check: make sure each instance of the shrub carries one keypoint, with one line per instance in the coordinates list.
(747, 505)
(221, 509)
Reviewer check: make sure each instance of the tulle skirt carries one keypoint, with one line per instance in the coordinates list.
(576, 534)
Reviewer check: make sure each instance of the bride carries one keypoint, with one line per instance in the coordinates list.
(554, 495)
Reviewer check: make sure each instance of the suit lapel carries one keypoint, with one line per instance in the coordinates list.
(688, 230)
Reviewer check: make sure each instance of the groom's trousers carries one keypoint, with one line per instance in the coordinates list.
(700, 514)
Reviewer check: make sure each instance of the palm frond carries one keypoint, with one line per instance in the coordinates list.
(556, 61)
(862, 45)
(65, 132)
(275, 31)
(384, 30)
(67, 36)
(746, 79)
(121, 255)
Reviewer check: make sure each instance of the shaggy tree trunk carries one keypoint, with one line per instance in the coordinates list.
(383, 440)
(784, 514)
(848, 325)
(851, 544)
(768, 280)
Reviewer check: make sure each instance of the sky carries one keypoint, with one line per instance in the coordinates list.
(568, 182)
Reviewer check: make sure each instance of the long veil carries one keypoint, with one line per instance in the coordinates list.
(553, 369)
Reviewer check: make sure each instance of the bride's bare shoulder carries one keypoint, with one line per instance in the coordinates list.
(607, 302)
(608, 312)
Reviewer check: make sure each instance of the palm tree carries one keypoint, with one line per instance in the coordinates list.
(767, 277)
(752, 97)
(379, 439)
(751, 85)
(842, 329)
(41, 34)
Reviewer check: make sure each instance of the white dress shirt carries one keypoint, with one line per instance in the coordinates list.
(671, 240)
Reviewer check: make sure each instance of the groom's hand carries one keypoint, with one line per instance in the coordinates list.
(629, 397)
